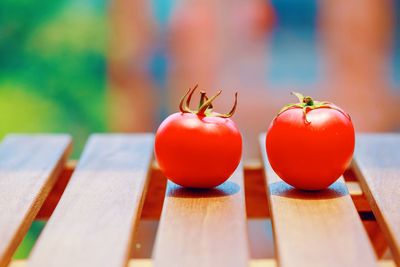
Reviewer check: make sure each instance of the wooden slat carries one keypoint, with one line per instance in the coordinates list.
(377, 163)
(316, 228)
(95, 218)
(29, 165)
(203, 227)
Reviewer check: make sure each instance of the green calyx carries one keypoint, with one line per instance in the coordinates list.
(306, 103)
(205, 105)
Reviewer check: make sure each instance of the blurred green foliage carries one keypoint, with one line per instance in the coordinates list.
(52, 67)
(52, 72)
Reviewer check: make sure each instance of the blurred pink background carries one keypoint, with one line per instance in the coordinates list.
(336, 50)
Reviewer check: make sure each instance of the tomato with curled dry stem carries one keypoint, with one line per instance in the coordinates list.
(198, 149)
(310, 144)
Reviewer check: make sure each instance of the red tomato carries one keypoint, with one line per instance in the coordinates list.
(310, 144)
(199, 149)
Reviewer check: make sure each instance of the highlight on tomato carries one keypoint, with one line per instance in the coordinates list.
(198, 148)
(311, 143)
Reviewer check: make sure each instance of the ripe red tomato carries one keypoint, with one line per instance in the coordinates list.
(310, 144)
(198, 149)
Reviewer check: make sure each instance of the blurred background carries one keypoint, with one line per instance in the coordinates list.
(83, 66)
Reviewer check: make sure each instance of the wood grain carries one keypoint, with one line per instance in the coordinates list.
(316, 228)
(203, 227)
(377, 163)
(29, 166)
(94, 221)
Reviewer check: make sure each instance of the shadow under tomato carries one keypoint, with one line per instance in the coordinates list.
(282, 189)
(226, 189)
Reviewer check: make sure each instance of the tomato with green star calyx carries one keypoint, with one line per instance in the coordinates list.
(198, 148)
(310, 144)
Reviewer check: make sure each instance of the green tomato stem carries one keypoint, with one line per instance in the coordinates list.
(307, 103)
(205, 104)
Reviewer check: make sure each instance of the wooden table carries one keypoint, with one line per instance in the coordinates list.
(114, 208)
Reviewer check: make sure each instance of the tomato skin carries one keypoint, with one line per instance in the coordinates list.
(197, 151)
(310, 156)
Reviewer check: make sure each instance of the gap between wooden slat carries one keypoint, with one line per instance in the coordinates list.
(58, 189)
